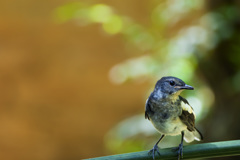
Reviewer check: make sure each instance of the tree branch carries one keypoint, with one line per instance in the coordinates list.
(205, 150)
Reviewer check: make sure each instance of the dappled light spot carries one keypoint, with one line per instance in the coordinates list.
(113, 25)
(66, 12)
(136, 68)
(100, 13)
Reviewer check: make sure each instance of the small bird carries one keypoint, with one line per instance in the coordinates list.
(170, 113)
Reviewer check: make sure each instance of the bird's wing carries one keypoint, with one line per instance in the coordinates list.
(147, 109)
(188, 115)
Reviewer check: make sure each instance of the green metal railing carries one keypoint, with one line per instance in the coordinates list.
(205, 150)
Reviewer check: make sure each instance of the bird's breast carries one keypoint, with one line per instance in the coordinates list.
(165, 118)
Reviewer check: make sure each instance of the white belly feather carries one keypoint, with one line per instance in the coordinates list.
(172, 126)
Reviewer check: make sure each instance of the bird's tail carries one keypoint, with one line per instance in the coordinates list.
(189, 136)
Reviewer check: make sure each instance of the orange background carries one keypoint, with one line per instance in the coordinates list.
(56, 100)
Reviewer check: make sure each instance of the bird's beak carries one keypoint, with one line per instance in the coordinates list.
(185, 87)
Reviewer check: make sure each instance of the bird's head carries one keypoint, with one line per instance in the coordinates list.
(171, 86)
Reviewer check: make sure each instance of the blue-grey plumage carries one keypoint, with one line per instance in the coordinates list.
(170, 113)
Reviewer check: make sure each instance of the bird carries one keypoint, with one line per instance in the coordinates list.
(170, 113)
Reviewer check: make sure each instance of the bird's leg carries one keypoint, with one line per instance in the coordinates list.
(155, 148)
(180, 148)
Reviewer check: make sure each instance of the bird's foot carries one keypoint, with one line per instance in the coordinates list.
(180, 151)
(152, 151)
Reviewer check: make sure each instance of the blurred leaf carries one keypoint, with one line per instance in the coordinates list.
(100, 13)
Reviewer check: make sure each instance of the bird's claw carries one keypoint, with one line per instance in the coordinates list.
(180, 151)
(152, 151)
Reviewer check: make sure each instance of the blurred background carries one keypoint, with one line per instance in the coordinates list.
(75, 75)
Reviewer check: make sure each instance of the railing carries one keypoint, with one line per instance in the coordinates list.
(205, 150)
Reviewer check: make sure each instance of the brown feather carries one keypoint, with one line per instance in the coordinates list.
(187, 116)
(188, 119)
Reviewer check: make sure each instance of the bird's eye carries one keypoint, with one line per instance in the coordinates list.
(172, 83)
